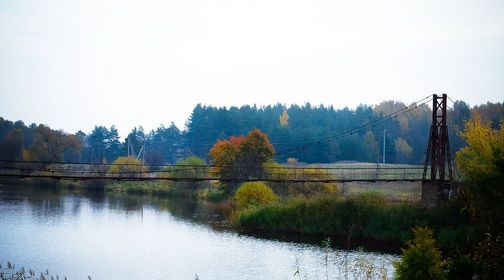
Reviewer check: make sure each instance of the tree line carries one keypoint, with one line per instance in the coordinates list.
(303, 132)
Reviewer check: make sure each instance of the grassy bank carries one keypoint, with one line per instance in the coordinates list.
(156, 188)
(364, 217)
(161, 188)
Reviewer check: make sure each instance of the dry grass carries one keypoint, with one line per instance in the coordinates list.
(392, 191)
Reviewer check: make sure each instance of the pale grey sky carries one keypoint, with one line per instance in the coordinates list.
(73, 64)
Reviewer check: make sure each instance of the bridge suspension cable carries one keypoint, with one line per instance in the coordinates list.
(365, 126)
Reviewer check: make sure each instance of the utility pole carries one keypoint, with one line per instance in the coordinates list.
(384, 130)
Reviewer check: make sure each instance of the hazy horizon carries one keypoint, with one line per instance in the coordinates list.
(76, 64)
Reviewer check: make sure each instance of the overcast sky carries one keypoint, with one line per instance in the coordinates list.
(73, 64)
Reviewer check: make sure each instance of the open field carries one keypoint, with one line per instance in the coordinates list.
(392, 191)
(372, 171)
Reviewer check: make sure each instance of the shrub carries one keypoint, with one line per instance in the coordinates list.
(213, 193)
(186, 169)
(127, 166)
(216, 195)
(191, 167)
(254, 194)
(421, 259)
(489, 256)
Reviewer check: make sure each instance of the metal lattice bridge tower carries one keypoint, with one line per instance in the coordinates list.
(438, 172)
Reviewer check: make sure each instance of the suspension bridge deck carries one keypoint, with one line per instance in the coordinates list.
(125, 172)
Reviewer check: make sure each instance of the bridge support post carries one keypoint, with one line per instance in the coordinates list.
(436, 187)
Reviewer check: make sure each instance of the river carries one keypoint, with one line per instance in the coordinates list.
(121, 236)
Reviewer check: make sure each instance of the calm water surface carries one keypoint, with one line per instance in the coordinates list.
(112, 236)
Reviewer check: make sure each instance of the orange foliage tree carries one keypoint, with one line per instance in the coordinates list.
(241, 157)
(255, 150)
(225, 156)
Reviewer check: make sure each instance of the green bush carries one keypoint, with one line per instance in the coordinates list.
(216, 195)
(421, 259)
(212, 193)
(252, 194)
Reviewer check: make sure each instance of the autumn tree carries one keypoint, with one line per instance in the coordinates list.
(225, 156)
(481, 163)
(255, 150)
(490, 112)
(284, 118)
(128, 166)
(241, 157)
(403, 149)
(51, 145)
(390, 107)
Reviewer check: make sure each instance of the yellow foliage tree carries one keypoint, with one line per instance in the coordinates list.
(284, 118)
(481, 163)
(403, 148)
(127, 166)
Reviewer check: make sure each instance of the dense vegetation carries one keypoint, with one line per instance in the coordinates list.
(289, 130)
(422, 259)
(365, 217)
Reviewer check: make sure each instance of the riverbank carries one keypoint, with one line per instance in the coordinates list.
(366, 217)
(161, 188)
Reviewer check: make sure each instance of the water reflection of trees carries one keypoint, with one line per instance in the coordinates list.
(49, 203)
(44, 200)
(124, 202)
(179, 207)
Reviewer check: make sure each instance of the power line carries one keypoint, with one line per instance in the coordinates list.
(384, 119)
(455, 105)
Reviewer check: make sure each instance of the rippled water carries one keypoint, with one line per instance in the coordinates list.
(133, 237)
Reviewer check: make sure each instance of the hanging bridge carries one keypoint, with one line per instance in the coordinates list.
(137, 172)
(436, 174)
